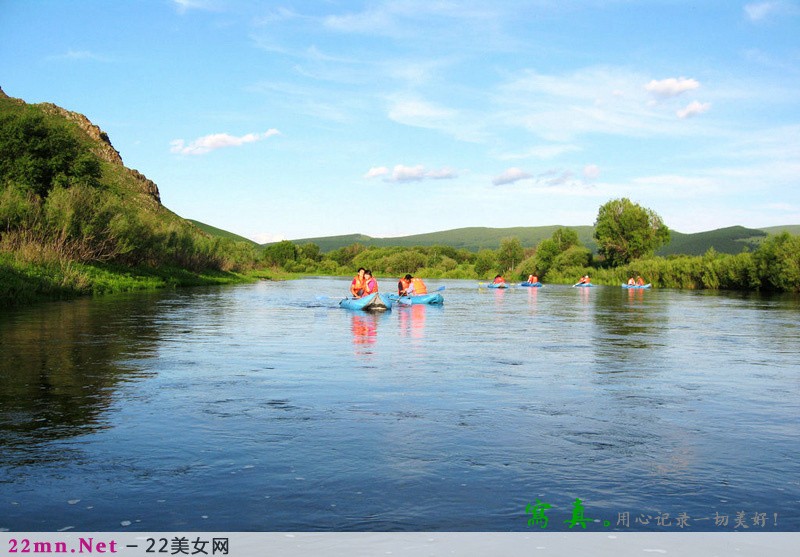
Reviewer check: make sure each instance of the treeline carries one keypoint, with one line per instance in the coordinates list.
(561, 259)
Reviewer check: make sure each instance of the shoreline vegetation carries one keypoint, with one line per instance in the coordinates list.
(75, 221)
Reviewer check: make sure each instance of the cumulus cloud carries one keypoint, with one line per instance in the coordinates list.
(442, 174)
(693, 109)
(671, 87)
(376, 171)
(403, 173)
(510, 176)
(208, 143)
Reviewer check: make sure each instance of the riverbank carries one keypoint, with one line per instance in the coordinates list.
(23, 283)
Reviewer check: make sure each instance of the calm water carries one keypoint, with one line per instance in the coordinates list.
(266, 407)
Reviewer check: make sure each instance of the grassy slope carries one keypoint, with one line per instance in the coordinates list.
(25, 278)
(213, 231)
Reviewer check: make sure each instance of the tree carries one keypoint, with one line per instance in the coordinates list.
(36, 155)
(565, 238)
(280, 254)
(626, 231)
(510, 253)
(778, 261)
(485, 262)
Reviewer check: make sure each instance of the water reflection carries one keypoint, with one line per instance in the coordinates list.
(62, 363)
(412, 321)
(364, 329)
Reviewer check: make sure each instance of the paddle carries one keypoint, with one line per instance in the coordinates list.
(397, 296)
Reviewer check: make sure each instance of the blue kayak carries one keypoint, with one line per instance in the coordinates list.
(432, 298)
(583, 285)
(373, 302)
(497, 285)
(531, 284)
(636, 286)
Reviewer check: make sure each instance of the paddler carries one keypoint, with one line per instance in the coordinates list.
(403, 285)
(358, 284)
(371, 285)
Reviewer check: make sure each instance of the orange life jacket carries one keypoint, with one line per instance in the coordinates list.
(357, 285)
(371, 286)
(403, 285)
(419, 286)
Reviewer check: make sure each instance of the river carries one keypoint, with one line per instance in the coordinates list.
(266, 407)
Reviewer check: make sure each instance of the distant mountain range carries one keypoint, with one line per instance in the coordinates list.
(734, 239)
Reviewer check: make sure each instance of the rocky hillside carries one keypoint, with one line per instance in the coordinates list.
(99, 143)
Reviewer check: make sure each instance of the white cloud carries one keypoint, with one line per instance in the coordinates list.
(510, 176)
(376, 171)
(671, 87)
(208, 143)
(600, 99)
(591, 171)
(442, 174)
(402, 173)
(693, 109)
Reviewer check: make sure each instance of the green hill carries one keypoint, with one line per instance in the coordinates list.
(791, 229)
(219, 233)
(734, 239)
(472, 238)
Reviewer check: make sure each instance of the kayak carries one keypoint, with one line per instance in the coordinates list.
(583, 285)
(373, 302)
(432, 298)
(531, 284)
(636, 286)
(497, 285)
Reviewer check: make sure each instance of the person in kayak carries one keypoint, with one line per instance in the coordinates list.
(631, 282)
(498, 279)
(533, 278)
(403, 285)
(639, 281)
(371, 285)
(417, 287)
(585, 280)
(358, 284)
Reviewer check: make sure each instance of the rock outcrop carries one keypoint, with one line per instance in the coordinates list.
(101, 144)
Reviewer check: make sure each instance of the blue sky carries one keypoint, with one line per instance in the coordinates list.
(293, 119)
